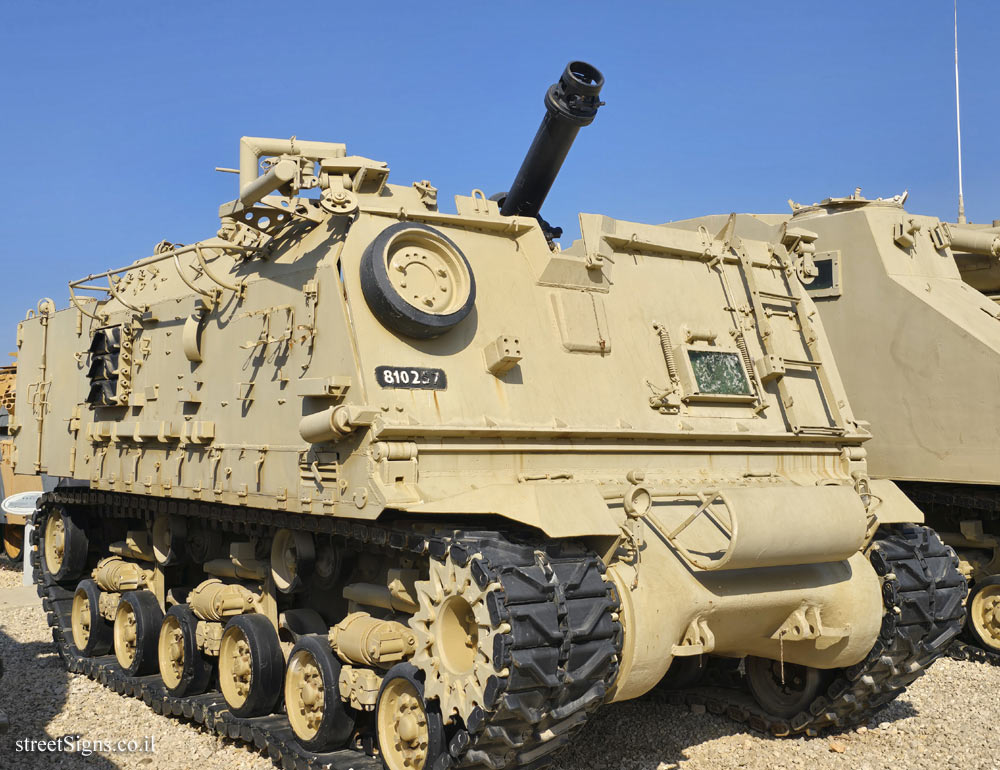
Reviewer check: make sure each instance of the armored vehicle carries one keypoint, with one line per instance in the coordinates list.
(12, 520)
(929, 366)
(365, 478)
(976, 249)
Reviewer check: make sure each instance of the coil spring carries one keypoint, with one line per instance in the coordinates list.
(741, 343)
(668, 350)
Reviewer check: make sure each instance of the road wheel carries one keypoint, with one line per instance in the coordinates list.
(13, 541)
(410, 735)
(251, 666)
(984, 613)
(91, 632)
(417, 281)
(783, 690)
(136, 632)
(318, 716)
(184, 668)
(64, 551)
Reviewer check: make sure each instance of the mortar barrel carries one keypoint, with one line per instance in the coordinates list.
(570, 105)
(973, 241)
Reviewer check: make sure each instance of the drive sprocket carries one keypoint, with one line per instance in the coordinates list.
(455, 638)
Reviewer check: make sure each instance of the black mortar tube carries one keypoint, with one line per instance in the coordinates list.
(570, 105)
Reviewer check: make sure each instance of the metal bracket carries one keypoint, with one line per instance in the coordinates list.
(698, 639)
(265, 337)
(806, 622)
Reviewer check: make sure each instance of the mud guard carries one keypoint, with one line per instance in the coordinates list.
(557, 509)
(892, 505)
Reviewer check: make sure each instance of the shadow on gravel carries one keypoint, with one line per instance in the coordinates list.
(33, 690)
(647, 734)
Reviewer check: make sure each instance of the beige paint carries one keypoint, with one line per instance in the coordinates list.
(13, 483)
(918, 348)
(977, 252)
(248, 378)
(742, 609)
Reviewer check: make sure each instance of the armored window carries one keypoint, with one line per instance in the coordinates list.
(711, 373)
(719, 373)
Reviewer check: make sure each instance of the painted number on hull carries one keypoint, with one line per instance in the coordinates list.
(411, 377)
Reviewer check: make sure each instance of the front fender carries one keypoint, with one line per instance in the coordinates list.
(891, 505)
(559, 509)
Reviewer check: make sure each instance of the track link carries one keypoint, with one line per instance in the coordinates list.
(963, 650)
(558, 659)
(924, 596)
(952, 504)
(562, 650)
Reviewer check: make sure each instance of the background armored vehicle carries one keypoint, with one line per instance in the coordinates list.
(442, 489)
(919, 350)
(12, 519)
(976, 249)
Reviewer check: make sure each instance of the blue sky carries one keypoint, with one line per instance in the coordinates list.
(114, 114)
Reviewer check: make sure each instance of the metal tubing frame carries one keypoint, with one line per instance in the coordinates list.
(197, 248)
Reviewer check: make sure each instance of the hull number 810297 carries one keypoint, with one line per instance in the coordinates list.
(411, 377)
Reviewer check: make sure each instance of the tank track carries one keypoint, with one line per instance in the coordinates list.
(954, 502)
(923, 593)
(963, 650)
(560, 656)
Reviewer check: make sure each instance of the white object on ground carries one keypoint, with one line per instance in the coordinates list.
(21, 504)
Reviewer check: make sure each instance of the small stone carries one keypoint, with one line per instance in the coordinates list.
(837, 747)
(697, 708)
(861, 730)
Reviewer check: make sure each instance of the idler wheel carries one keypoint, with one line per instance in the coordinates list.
(984, 613)
(417, 281)
(184, 668)
(410, 735)
(13, 541)
(91, 632)
(320, 719)
(250, 666)
(783, 690)
(136, 632)
(65, 545)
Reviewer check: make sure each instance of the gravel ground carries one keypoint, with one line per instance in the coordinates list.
(949, 718)
(10, 577)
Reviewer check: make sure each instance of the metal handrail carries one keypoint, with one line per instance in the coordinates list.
(172, 253)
